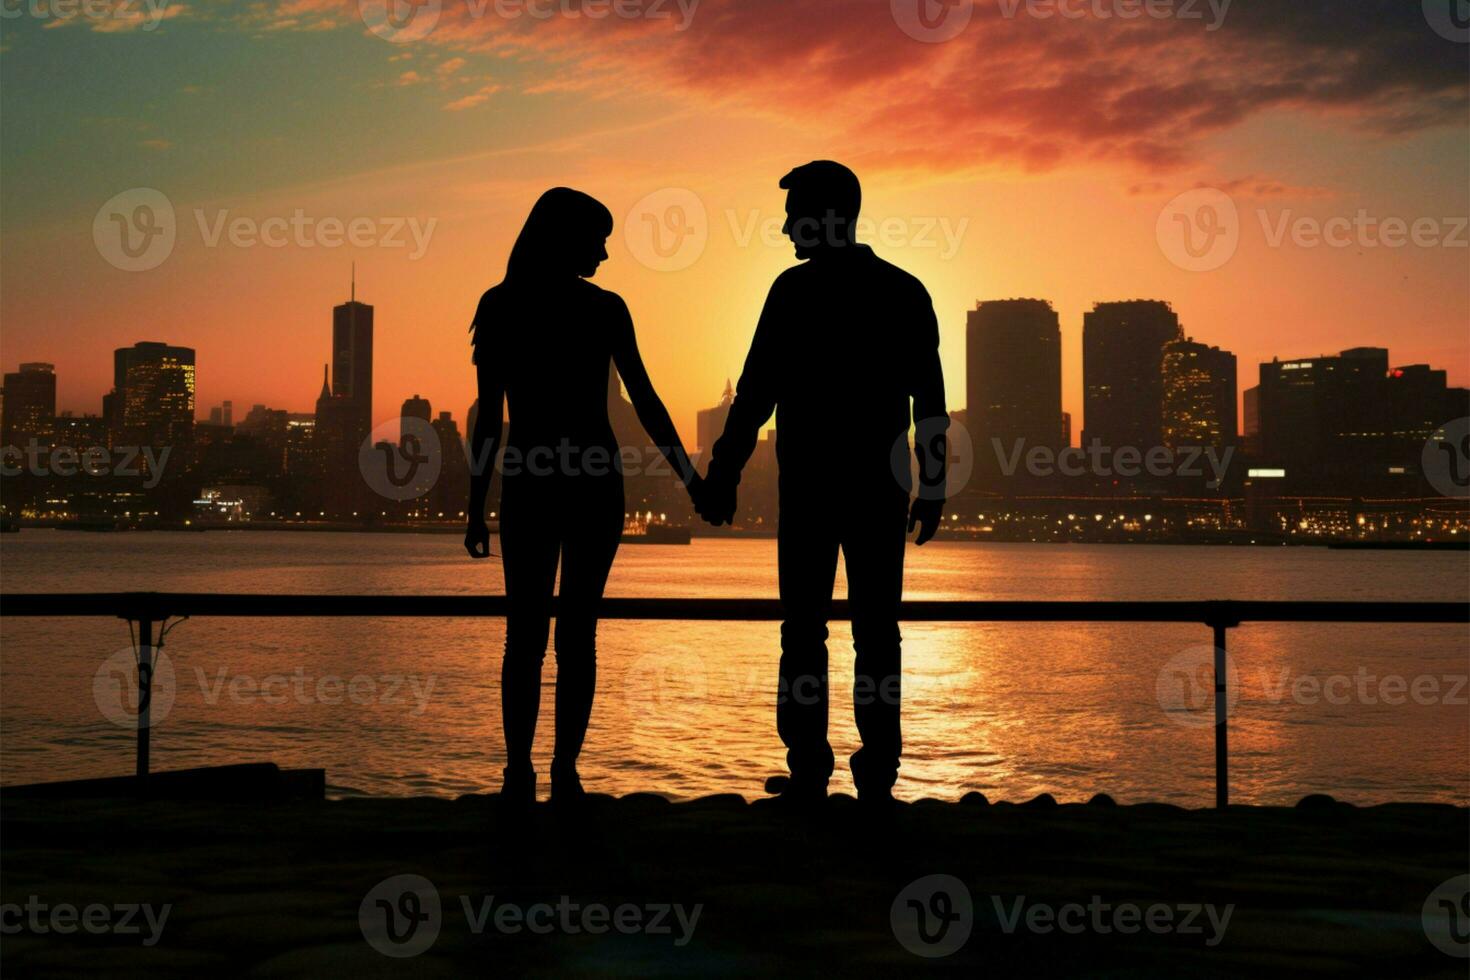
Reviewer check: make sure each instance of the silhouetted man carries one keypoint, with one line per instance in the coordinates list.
(844, 341)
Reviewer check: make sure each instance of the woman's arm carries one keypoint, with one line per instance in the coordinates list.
(484, 444)
(646, 403)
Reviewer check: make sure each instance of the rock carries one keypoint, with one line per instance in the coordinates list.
(1317, 801)
(719, 801)
(1045, 801)
(974, 798)
(1102, 799)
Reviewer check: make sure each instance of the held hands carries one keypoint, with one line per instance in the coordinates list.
(714, 499)
(925, 514)
(477, 539)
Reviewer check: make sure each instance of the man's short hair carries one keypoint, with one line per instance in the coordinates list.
(829, 184)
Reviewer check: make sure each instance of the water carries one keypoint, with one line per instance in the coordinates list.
(404, 706)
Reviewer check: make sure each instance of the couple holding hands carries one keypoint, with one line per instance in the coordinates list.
(845, 342)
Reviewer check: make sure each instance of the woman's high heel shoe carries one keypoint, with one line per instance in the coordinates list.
(518, 788)
(566, 787)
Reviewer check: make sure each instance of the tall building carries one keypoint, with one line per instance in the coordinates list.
(337, 433)
(416, 408)
(352, 359)
(1013, 382)
(1418, 404)
(1199, 400)
(30, 405)
(1122, 372)
(710, 422)
(1251, 422)
(301, 458)
(344, 411)
(80, 432)
(1324, 419)
(451, 492)
(1320, 409)
(153, 385)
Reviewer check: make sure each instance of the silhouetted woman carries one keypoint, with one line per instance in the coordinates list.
(543, 341)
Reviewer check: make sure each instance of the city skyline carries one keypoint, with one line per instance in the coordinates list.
(351, 355)
(1007, 190)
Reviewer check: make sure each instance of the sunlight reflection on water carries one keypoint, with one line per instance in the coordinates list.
(399, 706)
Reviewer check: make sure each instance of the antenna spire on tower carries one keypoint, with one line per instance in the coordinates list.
(354, 282)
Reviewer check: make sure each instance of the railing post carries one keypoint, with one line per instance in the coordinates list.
(1222, 734)
(145, 690)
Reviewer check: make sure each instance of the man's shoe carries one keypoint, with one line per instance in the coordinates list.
(876, 796)
(799, 792)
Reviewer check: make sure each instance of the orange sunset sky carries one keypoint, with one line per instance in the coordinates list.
(1011, 149)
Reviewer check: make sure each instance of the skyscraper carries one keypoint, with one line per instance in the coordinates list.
(1122, 372)
(451, 491)
(344, 410)
(416, 408)
(337, 440)
(1251, 421)
(30, 405)
(1199, 400)
(1324, 419)
(154, 394)
(352, 359)
(1013, 382)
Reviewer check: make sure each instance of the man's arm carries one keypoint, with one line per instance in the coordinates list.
(755, 397)
(931, 423)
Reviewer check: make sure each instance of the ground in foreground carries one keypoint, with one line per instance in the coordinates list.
(295, 889)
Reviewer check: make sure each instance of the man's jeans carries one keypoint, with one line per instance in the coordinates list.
(869, 528)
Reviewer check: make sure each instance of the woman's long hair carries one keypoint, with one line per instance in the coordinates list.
(561, 223)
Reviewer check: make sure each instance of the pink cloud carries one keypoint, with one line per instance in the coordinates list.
(1017, 92)
(470, 101)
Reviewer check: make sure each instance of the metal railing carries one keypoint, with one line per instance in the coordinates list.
(149, 609)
